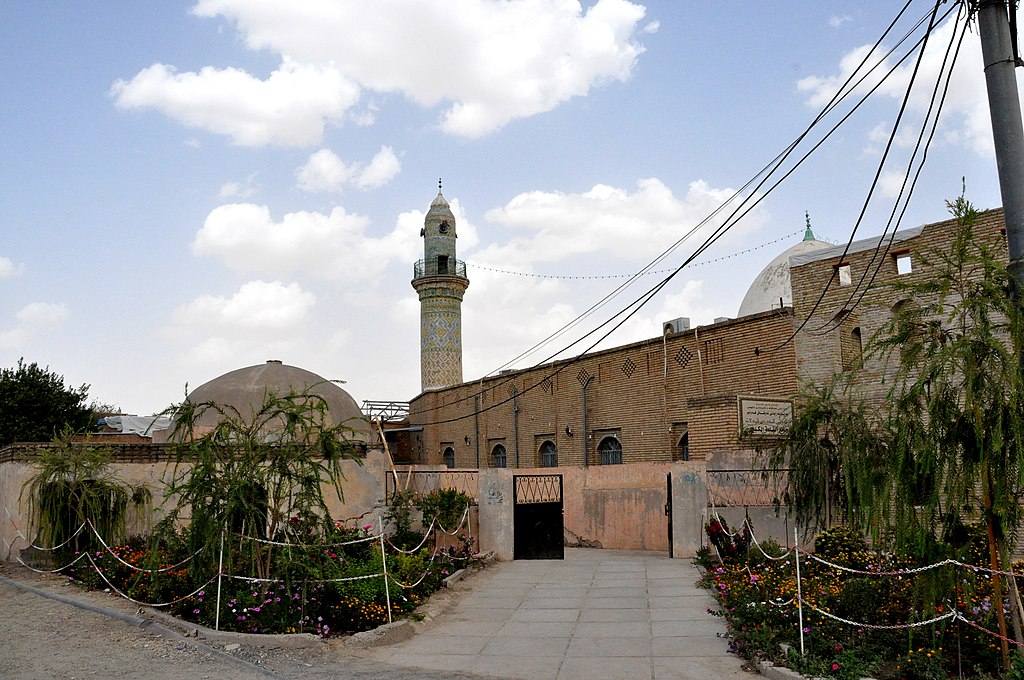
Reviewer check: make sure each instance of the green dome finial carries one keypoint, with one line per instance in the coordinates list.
(808, 234)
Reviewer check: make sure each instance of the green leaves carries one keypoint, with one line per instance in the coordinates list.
(73, 484)
(251, 473)
(35, 405)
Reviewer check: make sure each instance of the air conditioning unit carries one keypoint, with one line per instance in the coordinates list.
(676, 326)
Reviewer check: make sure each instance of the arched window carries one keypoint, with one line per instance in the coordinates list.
(684, 446)
(548, 454)
(498, 455)
(610, 451)
(449, 457)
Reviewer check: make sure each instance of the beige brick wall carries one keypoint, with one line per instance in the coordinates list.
(643, 393)
(827, 342)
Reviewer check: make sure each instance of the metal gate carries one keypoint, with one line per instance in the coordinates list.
(537, 517)
(668, 512)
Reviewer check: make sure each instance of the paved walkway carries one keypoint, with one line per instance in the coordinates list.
(597, 615)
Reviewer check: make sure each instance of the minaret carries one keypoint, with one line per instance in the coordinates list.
(440, 280)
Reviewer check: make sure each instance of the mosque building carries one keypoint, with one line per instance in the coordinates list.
(680, 396)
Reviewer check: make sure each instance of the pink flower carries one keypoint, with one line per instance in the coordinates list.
(835, 666)
(367, 527)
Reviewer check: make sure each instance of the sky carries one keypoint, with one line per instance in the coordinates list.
(187, 188)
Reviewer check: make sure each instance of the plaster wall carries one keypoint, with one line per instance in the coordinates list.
(363, 491)
(495, 504)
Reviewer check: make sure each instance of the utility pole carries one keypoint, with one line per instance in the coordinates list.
(1000, 62)
(1004, 107)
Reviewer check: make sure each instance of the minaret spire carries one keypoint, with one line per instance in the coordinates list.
(440, 279)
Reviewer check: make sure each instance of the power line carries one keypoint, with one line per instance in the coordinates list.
(739, 212)
(591, 277)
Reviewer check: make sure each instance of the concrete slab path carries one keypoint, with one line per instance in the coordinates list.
(596, 615)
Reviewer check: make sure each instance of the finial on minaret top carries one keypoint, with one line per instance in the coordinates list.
(808, 234)
(438, 185)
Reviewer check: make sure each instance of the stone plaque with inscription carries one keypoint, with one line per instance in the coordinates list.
(765, 417)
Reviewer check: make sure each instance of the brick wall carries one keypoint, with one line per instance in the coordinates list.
(646, 394)
(828, 340)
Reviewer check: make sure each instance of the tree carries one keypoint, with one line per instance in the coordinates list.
(35, 404)
(255, 474)
(948, 445)
(74, 484)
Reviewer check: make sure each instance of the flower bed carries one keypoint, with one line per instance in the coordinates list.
(856, 613)
(334, 583)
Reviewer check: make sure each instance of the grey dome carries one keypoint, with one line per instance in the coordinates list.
(245, 388)
(774, 282)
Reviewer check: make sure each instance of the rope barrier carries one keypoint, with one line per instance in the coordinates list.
(132, 566)
(902, 572)
(267, 541)
(148, 604)
(961, 617)
(822, 612)
(51, 571)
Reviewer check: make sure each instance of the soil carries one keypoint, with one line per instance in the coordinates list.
(101, 635)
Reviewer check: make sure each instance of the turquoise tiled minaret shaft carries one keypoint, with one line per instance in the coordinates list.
(440, 279)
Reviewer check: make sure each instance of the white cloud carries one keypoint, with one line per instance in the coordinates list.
(323, 171)
(332, 246)
(239, 189)
(381, 170)
(8, 269)
(289, 108)
(488, 62)
(652, 27)
(631, 226)
(965, 112)
(33, 320)
(257, 305)
(836, 21)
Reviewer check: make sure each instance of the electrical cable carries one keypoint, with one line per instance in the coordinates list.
(841, 94)
(905, 194)
(638, 303)
(878, 172)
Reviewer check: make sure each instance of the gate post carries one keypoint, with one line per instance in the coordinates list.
(689, 499)
(495, 520)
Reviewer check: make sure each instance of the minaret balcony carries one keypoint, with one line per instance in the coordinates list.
(441, 266)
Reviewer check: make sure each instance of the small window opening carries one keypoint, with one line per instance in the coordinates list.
(499, 456)
(610, 450)
(684, 446)
(442, 264)
(548, 454)
(903, 264)
(449, 457)
(845, 277)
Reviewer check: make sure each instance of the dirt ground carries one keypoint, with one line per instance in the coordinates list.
(43, 638)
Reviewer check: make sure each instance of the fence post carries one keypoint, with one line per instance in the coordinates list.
(799, 592)
(384, 562)
(220, 575)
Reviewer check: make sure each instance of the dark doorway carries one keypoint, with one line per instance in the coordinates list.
(537, 519)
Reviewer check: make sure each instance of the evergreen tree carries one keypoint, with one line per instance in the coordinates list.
(36, 405)
(947, 447)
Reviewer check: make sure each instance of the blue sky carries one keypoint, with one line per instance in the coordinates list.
(188, 188)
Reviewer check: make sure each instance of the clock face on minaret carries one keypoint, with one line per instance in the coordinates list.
(440, 279)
